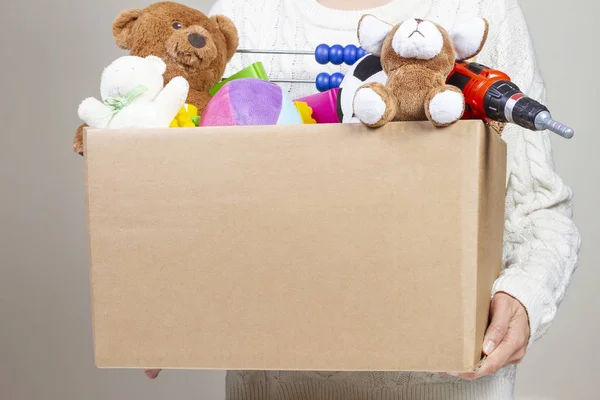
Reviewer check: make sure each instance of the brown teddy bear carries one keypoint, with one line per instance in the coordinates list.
(192, 45)
(417, 56)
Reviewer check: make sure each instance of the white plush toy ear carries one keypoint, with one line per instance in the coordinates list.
(372, 33)
(469, 37)
(157, 63)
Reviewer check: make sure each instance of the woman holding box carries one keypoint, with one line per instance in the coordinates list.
(541, 240)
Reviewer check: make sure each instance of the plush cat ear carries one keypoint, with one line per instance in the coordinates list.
(157, 63)
(469, 37)
(122, 27)
(372, 33)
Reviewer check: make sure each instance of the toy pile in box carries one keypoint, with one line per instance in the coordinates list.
(411, 71)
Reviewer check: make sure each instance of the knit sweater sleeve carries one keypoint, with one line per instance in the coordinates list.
(541, 241)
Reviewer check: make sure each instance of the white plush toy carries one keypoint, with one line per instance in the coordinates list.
(134, 96)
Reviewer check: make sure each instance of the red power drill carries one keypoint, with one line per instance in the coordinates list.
(491, 96)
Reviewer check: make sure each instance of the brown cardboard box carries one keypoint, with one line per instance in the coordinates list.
(309, 247)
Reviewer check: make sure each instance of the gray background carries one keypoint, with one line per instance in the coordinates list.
(51, 55)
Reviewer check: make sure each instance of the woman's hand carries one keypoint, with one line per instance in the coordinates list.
(152, 373)
(506, 338)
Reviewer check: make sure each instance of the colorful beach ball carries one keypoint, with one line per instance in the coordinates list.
(250, 101)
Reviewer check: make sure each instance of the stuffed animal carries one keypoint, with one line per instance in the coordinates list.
(192, 45)
(417, 57)
(134, 96)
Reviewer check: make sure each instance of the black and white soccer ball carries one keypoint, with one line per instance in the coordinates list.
(366, 70)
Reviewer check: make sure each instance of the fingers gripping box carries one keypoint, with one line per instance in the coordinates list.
(306, 247)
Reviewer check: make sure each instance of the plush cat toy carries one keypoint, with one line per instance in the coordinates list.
(417, 56)
(134, 96)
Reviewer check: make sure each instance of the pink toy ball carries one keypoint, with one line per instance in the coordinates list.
(250, 101)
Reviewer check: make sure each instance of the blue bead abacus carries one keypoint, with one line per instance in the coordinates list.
(326, 82)
(324, 54)
(338, 55)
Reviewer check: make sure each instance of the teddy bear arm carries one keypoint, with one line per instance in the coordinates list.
(170, 100)
(77, 145)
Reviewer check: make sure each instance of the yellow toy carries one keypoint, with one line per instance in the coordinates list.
(187, 117)
(305, 112)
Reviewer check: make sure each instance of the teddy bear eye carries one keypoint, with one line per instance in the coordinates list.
(177, 25)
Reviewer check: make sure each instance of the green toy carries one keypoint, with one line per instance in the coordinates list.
(256, 70)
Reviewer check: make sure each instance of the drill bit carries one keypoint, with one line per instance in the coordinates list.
(544, 121)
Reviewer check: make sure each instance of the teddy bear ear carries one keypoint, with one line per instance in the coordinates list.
(157, 63)
(469, 37)
(229, 30)
(122, 27)
(372, 33)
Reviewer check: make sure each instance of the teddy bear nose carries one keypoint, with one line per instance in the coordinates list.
(197, 40)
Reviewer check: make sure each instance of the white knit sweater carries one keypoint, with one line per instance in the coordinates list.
(541, 241)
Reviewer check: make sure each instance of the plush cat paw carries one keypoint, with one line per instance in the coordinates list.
(373, 105)
(87, 107)
(94, 113)
(446, 107)
(180, 87)
(179, 82)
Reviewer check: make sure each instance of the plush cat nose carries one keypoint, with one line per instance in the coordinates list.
(197, 40)
(419, 20)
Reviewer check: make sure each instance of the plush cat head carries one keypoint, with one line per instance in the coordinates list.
(421, 42)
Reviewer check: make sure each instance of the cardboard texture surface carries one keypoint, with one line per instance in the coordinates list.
(308, 247)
